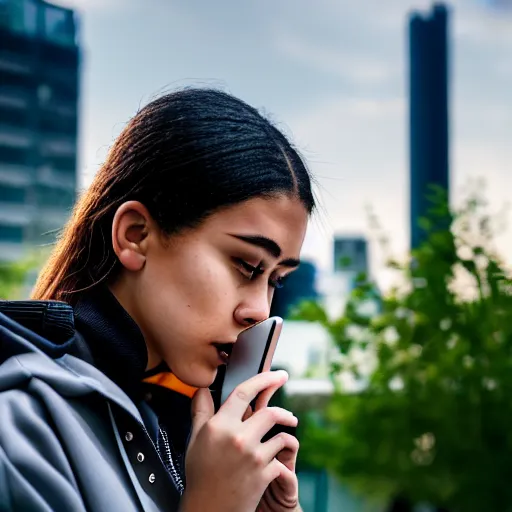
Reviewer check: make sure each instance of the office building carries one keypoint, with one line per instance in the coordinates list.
(428, 112)
(39, 97)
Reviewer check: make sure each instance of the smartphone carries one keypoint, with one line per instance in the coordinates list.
(252, 354)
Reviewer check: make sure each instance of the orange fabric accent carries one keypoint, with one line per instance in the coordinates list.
(170, 381)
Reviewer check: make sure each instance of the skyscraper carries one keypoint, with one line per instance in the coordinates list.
(39, 93)
(428, 111)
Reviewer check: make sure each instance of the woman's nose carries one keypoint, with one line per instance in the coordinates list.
(253, 311)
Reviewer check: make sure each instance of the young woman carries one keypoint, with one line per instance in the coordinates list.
(197, 215)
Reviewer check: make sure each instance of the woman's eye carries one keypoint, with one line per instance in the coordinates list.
(251, 272)
(277, 282)
(248, 270)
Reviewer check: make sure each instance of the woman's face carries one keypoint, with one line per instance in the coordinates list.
(196, 290)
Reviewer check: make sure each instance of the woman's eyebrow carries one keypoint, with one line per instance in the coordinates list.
(270, 246)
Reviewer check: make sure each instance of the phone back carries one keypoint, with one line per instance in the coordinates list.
(252, 354)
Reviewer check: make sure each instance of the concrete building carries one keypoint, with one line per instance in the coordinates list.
(39, 98)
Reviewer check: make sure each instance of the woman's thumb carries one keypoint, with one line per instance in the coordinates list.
(202, 411)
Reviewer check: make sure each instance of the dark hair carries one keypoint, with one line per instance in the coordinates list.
(184, 156)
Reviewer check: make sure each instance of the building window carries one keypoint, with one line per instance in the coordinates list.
(54, 89)
(339, 245)
(59, 25)
(44, 94)
(360, 246)
(19, 16)
(13, 234)
(55, 198)
(29, 17)
(61, 163)
(13, 156)
(50, 123)
(13, 117)
(9, 194)
(19, 81)
(4, 13)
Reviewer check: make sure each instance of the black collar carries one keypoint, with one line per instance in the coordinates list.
(114, 339)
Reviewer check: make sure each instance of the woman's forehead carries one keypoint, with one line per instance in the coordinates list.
(281, 219)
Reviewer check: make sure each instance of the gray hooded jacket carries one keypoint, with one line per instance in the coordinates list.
(70, 438)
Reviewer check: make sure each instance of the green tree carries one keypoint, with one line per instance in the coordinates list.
(13, 277)
(433, 422)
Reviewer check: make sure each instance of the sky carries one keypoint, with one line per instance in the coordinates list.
(331, 73)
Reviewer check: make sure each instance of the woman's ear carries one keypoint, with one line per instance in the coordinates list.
(130, 230)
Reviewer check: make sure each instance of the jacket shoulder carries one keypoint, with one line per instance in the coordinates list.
(47, 326)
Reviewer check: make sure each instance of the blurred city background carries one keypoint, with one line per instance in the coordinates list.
(396, 339)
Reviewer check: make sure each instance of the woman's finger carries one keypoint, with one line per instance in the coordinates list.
(289, 457)
(242, 396)
(263, 420)
(279, 443)
(276, 469)
(264, 397)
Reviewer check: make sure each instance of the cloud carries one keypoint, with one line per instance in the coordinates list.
(347, 124)
(356, 149)
(358, 68)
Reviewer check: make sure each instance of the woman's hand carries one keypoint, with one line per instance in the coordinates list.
(228, 469)
(282, 494)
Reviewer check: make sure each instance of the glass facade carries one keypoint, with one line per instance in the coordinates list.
(39, 96)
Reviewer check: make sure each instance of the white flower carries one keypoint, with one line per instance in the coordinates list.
(445, 324)
(396, 383)
(415, 350)
(489, 384)
(468, 362)
(390, 335)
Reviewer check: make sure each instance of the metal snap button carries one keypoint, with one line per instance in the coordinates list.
(140, 457)
(128, 436)
(152, 478)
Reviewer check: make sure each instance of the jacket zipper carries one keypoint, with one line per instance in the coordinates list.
(175, 477)
(175, 474)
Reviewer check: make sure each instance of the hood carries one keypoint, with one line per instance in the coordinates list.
(22, 358)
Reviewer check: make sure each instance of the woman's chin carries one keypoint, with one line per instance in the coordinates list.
(203, 378)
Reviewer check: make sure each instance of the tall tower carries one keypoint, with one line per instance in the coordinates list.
(428, 111)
